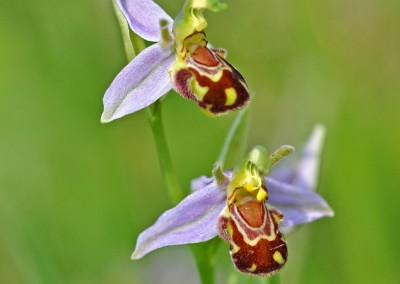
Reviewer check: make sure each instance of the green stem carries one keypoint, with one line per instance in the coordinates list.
(125, 32)
(170, 177)
(204, 255)
(133, 45)
(235, 142)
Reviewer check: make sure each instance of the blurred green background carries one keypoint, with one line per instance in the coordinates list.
(75, 194)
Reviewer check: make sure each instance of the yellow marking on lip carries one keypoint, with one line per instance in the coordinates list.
(235, 247)
(198, 90)
(216, 77)
(261, 195)
(252, 268)
(277, 256)
(231, 96)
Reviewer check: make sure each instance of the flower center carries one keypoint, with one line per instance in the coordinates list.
(247, 185)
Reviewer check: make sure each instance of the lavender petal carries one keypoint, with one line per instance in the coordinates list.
(200, 182)
(298, 206)
(302, 170)
(143, 16)
(191, 221)
(139, 84)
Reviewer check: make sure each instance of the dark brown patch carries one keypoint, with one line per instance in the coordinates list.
(262, 253)
(215, 98)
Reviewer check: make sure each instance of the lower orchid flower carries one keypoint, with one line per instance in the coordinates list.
(248, 207)
(181, 59)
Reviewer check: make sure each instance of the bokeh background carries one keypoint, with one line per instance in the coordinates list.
(75, 194)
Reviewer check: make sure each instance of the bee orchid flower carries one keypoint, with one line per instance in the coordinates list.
(250, 208)
(181, 59)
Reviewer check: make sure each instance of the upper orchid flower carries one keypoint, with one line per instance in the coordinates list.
(181, 59)
(246, 208)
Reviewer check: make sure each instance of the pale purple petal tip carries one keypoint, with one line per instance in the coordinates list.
(143, 16)
(200, 183)
(191, 221)
(144, 80)
(297, 205)
(302, 170)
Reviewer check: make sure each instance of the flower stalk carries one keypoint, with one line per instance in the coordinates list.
(234, 146)
(235, 142)
(134, 45)
(204, 253)
(164, 156)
